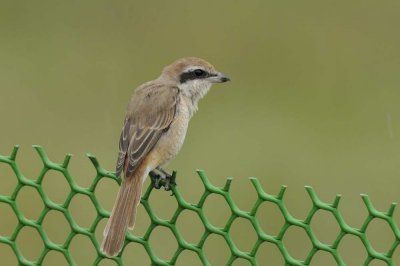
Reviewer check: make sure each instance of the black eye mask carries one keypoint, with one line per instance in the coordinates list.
(194, 74)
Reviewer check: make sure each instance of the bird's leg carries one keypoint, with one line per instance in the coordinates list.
(167, 175)
(169, 179)
(156, 179)
(161, 178)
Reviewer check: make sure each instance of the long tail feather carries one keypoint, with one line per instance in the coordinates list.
(123, 215)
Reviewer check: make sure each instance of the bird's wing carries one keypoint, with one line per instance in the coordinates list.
(150, 113)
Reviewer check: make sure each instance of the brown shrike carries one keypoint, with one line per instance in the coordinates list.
(155, 126)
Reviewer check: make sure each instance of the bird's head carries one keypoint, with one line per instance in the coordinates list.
(194, 76)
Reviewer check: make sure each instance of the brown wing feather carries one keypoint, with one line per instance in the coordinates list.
(123, 146)
(150, 112)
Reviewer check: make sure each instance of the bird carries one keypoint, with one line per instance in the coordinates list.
(153, 132)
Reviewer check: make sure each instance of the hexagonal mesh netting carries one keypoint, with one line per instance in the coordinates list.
(198, 208)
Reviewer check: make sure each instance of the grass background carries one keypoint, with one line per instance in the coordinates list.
(314, 100)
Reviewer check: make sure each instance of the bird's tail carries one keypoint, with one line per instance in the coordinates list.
(123, 214)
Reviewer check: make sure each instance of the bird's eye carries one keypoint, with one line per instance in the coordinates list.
(199, 72)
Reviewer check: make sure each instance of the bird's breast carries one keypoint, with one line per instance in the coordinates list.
(172, 140)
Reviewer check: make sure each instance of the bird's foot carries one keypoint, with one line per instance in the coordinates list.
(156, 179)
(163, 179)
(170, 181)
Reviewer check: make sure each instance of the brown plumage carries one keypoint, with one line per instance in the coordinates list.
(153, 133)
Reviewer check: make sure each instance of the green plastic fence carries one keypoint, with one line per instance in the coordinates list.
(209, 228)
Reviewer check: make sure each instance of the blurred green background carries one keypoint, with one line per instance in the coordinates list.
(314, 100)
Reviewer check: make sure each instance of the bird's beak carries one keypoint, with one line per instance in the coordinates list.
(219, 78)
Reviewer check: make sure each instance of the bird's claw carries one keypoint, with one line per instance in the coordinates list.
(167, 181)
(156, 179)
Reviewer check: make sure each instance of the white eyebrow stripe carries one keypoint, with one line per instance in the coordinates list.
(192, 68)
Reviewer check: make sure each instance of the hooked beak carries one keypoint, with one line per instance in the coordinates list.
(219, 78)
